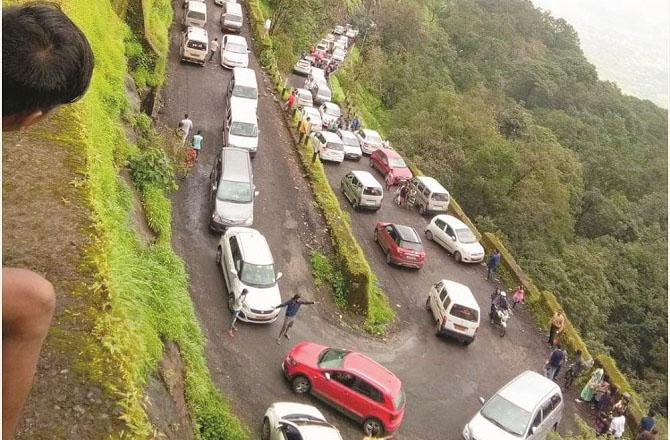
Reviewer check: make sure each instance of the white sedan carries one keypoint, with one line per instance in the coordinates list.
(314, 117)
(456, 238)
(288, 421)
(234, 52)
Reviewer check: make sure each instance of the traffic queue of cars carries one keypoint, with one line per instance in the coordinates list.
(351, 382)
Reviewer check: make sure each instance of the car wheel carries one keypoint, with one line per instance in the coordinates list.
(300, 385)
(422, 210)
(231, 301)
(218, 255)
(373, 427)
(371, 162)
(388, 257)
(355, 205)
(457, 257)
(265, 433)
(502, 331)
(429, 235)
(467, 341)
(342, 188)
(428, 303)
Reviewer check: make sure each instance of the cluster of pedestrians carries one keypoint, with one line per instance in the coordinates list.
(184, 129)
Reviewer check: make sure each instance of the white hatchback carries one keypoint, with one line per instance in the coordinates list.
(288, 420)
(244, 257)
(454, 309)
(328, 145)
(329, 112)
(455, 236)
(314, 118)
(369, 140)
(234, 51)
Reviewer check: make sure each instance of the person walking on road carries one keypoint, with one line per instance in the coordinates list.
(303, 129)
(292, 307)
(556, 324)
(184, 128)
(239, 302)
(197, 144)
(493, 263)
(554, 362)
(290, 101)
(214, 48)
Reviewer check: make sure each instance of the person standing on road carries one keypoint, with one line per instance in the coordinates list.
(556, 324)
(197, 144)
(290, 101)
(518, 296)
(46, 62)
(239, 302)
(551, 366)
(214, 47)
(565, 361)
(184, 128)
(389, 181)
(355, 123)
(493, 263)
(292, 307)
(303, 129)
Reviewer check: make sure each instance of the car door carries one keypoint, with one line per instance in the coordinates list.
(385, 168)
(233, 266)
(435, 302)
(550, 416)
(367, 399)
(445, 301)
(388, 238)
(335, 386)
(450, 239)
(214, 185)
(352, 187)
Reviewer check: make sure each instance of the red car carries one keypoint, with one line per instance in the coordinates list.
(350, 382)
(401, 244)
(389, 161)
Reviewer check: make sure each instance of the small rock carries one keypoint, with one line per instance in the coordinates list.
(103, 416)
(398, 306)
(56, 407)
(89, 395)
(79, 409)
(64, 371)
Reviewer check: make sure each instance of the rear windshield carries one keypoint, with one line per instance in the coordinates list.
(397, 162)
(197, 15)
(372, 191)
(332, 111)
(236, 48)
(245, 92)
(335, 146)
(235, 18)
(463, 312)
(411, 245)
(374, 139)
(399, 400)
(197, 45)
(440, 197)
(245, 129)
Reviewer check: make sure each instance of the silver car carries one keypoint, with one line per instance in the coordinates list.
(303, 66)
(232, 190)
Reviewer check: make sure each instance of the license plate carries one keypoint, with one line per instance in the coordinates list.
(411, 257)
(460, 327)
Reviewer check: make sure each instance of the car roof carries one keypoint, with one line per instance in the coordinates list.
(244, 76)
(388, 152)
(366, 179)
(407, 233)
(231, 158)
(196, 33)
(370, 370)
(253, 246)
(197, 6)
(310, 111)
(233, 7)
(236, 39)
(331, 105)
(528, 389)
(452, 221)
(301, 91)
(461, 294)
(432, 184)
(369, 131)
(243, 111)
(329, 136)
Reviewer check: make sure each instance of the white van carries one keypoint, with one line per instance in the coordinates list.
(243, 87)
(454, 309)
(231, 17)
(320, 91)
(195, 14)
(328, 144)
(240, 127)
(528, 407)
(362, 190)
(430, 195)
(194, 44)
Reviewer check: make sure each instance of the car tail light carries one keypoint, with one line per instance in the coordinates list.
(291, 361)
(444, 322)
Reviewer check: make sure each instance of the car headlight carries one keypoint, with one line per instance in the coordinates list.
(466, 433)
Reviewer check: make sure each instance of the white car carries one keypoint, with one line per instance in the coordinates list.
(352, 148)
(234, 51)
(456, 238)
(369, 140)
(314, 117)
(329, 146)
(329, 112)
(338, 55)
(339, 30)
(293, 421)
(246, 261)
(303, 66)
(303, 98)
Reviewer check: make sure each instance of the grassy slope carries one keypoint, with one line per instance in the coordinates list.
(141, 292)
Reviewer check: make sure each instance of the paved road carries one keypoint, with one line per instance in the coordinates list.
(442, 379)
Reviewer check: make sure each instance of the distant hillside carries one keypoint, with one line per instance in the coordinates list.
(626, 40)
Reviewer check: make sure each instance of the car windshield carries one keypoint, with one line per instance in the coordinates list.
(197, 45)
(373, 138)
(465, 236)
(258, 275)
(236, 48)
(397, 162)
(440, 197)
(463, 312)
(197, 16)
(399, 400)
(350, 140)
(301, 417)
(506, 415)
(245, 92)
(246, 129)
(332, 111)
(236, 192)
(332, 358)
(411, 245)
(370, 191)
(335, 146)
(234, 18)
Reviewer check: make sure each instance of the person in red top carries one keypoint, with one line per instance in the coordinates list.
(290, 102)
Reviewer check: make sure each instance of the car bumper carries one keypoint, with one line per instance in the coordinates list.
(352, 156)
(368, 149)
(258, 317)
(232, 64)
(415, 264)
(469, 259)
(456, 335)
(221, 226)
(194, 60)
(370, 206)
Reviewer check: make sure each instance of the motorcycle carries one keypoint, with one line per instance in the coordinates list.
(499, 317)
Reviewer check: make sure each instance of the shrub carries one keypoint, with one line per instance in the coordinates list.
(152, 166)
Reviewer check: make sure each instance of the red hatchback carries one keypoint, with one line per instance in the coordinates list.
(401, 244)
(351, 382)
(389, 161)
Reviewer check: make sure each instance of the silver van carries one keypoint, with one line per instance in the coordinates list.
(320, 91)
(430, 195)
(195, 14)
(231, 17)
(243, 87)
(240, 127)
(362, 190)
(232, 192)
(528, 407)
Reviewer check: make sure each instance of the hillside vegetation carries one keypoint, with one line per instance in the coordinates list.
(496, 100)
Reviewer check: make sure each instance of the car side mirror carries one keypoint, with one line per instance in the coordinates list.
(533, 429)
(453, 237)
(256, 193)
(237, 265)
(248, 50)
(279, 275)
(482, 400)
(326, 375)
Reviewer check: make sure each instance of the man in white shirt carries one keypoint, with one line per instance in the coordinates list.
(214, 47)
(237, 308)
(618, 425)
(184, 128)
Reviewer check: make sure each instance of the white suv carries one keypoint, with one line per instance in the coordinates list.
(246, 261)
(455, 236)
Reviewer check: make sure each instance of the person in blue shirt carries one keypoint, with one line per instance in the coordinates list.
(493, 263)
(647, 422)
(197, 143)
(292, 307)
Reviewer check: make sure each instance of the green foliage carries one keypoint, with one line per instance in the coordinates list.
(326, 273)
(152, 167)
(158, 211)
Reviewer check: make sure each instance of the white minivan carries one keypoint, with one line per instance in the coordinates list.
(195, 14)
(328, 145)
(231, 17)
(454, 309)
(362, 190)
(240, 127)
(243, 88)
(528, 407)
(455, 236)
(430, 195)
(194, 44)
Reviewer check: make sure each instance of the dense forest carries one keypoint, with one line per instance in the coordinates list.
(496, 99)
